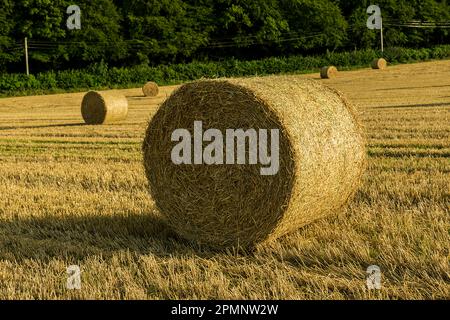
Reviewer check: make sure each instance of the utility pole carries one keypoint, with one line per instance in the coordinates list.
(26, 56)
(375, 21)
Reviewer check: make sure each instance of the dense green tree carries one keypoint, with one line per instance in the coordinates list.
(321, 23)
(100, 36)
(255, 25)
(397, 14)
(10, 50)
(131, 32)
(53, 45)
(164, 30)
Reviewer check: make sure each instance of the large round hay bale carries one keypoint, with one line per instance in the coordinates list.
(104, 107)
(328, 72)
(321, 159)
(380, 64)
(150, 89)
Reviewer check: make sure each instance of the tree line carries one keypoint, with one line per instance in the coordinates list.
(153, 32)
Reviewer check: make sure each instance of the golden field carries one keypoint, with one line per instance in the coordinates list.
(77, 194)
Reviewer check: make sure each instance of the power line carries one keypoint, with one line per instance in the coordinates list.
(140, 42)
(418, 24)
(218, 43)
(13, 49)
(293, 35)
(274, 41)
(137, 45)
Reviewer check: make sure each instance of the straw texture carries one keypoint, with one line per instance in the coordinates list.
(104, 107)
(380, 64)
(150, 89)
(328, 72)
(322, 158)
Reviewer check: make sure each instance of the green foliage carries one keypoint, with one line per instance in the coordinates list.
(154, 32)
(320, 17)
(164, 30)
(99, 75)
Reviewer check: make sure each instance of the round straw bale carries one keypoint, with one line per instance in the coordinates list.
(379, 64)
(328, 72)
(321, 159)
(150, 89)
(104, 107)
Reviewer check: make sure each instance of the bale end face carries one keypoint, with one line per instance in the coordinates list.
(379, 64)
(328, 72)
(150, 89)
(103, 107)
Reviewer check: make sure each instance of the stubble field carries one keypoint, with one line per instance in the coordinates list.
(76, 194)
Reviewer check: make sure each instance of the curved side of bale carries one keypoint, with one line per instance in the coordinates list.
(104, 107)
(321, 159)
(328, 148)
(328, 72)
(379, 64)
(150, 89)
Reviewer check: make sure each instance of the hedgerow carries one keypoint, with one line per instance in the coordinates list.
(100, 76)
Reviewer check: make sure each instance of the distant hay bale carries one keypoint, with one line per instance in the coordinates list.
(328, 72)
(380, 64)
(150, 89)
(104, 107)
(321, 159)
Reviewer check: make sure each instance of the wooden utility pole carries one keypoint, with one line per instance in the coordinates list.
(26, 56)
(382, 36)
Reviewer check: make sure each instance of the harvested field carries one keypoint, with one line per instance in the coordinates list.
(77, 194)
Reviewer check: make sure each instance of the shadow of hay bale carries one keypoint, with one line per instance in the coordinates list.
(78, 238)
(43, 126)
